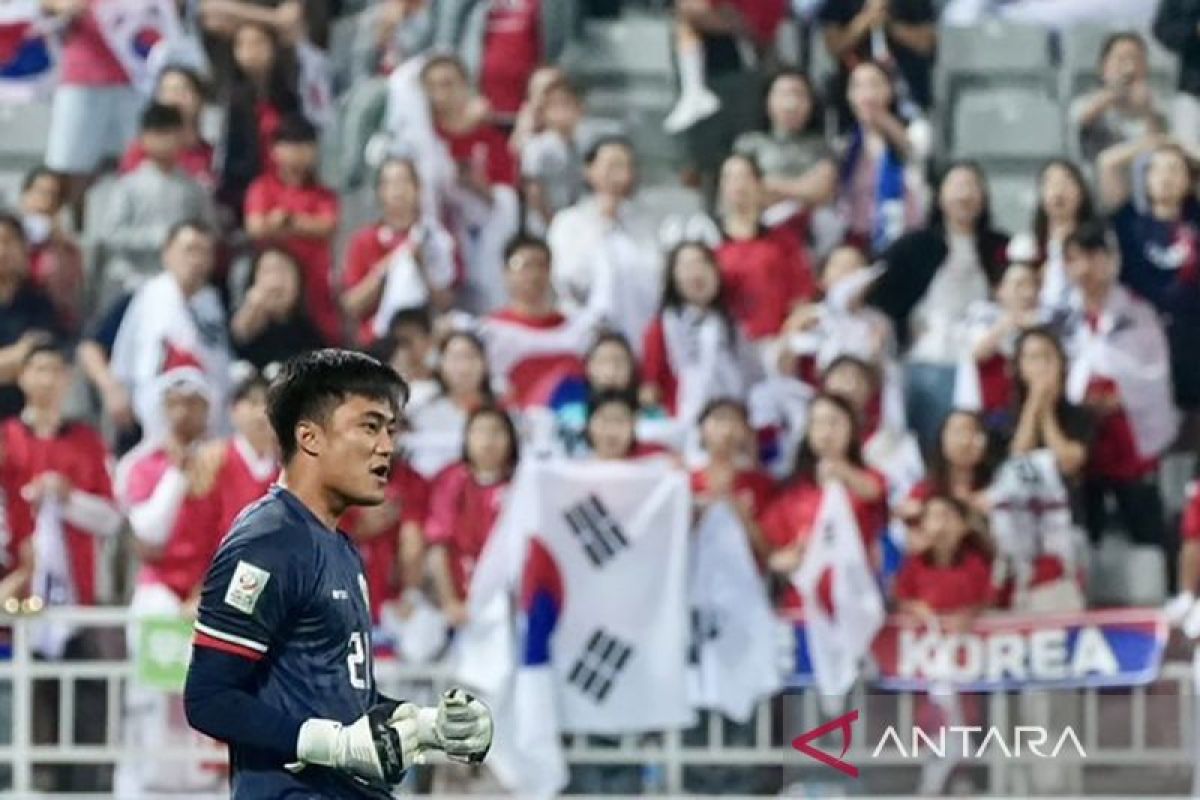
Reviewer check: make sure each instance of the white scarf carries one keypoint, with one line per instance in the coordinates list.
(704, 357)
(52, 579)
(1128, 347)
(407, 284)
(158, 316)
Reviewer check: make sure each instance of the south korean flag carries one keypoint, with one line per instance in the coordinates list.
(139, 32)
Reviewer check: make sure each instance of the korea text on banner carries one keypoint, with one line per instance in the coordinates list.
(1107, 648)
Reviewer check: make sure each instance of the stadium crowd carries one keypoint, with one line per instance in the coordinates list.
(846, 310)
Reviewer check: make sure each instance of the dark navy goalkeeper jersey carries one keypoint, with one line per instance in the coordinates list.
(288, 593)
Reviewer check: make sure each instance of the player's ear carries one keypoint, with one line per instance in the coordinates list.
(309, 437)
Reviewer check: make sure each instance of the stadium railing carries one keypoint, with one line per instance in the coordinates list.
(1136, 740)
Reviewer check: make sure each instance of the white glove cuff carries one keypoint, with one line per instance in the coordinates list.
(427, 727)
(317, 742)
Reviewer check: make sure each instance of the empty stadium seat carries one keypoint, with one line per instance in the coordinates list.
(1007, 124)
(1125, 574)
(24, 130)
(1013, 197)
(635, 46)
(994, 51)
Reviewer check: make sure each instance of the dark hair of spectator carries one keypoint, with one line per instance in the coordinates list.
(445, 59)
(510, 429)
(611, 140)
(310, 386)
(601, 400)
(1020, 388)
(249, 382)
(485, 384)
(805, 467)
(414, 317)
(194, 224)
(869, 370)
(188, 74)
(991, 256)
(723, 404)
(939, 467)
(748, 160)
(889, 79)
(1092, 236)
(296, 129)
(14, 224)
(37, 173)
(1086, 210)
(398, 161)
(816, 114)
(618, 340)
(161, 118)
(523, 241)
(52, 347)
(261, 256)
(974, 538)
(1116, 38)
(672, 298)
(565, 85)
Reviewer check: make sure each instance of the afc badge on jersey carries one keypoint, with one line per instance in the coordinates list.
(246, 586)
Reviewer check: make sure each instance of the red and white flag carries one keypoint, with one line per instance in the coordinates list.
(137, 31)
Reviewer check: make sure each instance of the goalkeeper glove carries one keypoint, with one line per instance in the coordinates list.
(460, 726)
(376, 747)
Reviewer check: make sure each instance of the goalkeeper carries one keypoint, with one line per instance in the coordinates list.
(282, 666)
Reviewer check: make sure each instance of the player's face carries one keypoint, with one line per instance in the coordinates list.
(356, 444)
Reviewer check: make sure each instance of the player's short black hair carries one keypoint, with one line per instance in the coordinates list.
(295, 129)
(524, 241)
(161, 118)
(311, 385)
(1091, 236)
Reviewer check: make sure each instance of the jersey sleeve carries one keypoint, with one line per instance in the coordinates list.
(252, 591)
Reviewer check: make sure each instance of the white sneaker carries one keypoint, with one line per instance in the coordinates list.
(692, 108)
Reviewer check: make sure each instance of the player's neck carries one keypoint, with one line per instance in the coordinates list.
(314, 497)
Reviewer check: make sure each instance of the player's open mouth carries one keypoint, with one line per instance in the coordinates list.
(382, 471)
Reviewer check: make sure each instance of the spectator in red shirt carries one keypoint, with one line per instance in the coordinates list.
(247, 463)
(503, 43)
(51, 459)
(729, 474)
(829, 452)
(182, 89)
(961, 466)
(262, 93)
(766, 272)
(947, 573)
(290, 208)
(95, 113)
(465, 500)
(532, 348)
(385, 252)
(55, 260)
(693, 352)
(479, 148)
(63, 507)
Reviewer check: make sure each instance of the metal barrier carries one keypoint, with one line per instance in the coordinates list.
(1122, 732)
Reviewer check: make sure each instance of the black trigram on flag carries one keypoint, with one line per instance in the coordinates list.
(706, 627)
(599, 665)
(594, 529)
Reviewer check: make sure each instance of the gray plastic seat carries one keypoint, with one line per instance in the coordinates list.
(24, 130)
(1011, 123)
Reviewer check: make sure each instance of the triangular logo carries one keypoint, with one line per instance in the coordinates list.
(842, 723)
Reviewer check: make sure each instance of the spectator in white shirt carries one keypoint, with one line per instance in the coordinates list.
(605, 246)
